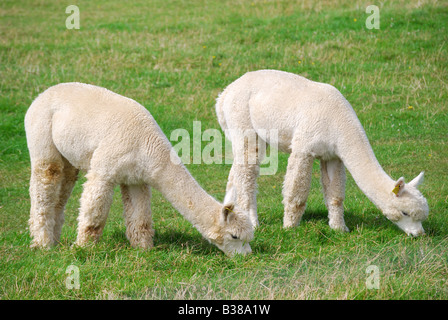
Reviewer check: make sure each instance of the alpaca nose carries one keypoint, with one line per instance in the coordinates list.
(243, 250)
(246, 249)
(418, 233)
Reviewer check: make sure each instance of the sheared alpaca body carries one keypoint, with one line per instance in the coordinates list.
(313, 121)
(74, 126)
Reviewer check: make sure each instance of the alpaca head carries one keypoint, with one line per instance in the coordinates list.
(407, 207)
(232, 232)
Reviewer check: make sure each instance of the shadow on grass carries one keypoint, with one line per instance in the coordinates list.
(170, 239)
(369, 221)
(321, 215)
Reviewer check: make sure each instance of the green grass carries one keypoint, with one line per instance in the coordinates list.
(174, 57)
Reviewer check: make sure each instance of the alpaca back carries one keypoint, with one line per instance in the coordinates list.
(267, 100)
(83, 123)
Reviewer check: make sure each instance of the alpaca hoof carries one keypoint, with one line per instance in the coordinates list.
(42, 245)
(142, 245)
(140, 239)
(290, 224)
(86, 242)
(292, 218)
(340, 228)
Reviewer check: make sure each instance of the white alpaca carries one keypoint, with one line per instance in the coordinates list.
(74, 126)
(313, 120)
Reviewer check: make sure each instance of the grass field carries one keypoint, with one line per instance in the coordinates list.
(174, 57)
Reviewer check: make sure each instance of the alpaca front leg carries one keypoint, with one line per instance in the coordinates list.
(138, 216)
(45, 185)
(249, 150)
(333, 183)
(296, 187)
(245, 183)
(96, 200)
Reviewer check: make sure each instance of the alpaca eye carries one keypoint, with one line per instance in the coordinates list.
(405, 214)
(234, 236)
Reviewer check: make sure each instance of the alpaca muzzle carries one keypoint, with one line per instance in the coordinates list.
(411, 227)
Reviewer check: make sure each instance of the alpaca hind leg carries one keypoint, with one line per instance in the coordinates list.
(333, 183)
(69, 178)
(96, 200)
(45, 186)
(296, 187)
(137, 214)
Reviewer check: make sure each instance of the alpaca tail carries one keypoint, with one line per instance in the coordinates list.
(38, 128)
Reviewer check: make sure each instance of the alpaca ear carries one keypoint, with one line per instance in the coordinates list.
(417, 180)
(399, 185)
(227, 212)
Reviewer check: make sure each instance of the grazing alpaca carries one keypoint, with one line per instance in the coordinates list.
(313, 120)
(74, 126)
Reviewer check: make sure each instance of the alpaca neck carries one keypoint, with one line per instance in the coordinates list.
(359, 159)
(178, 186)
